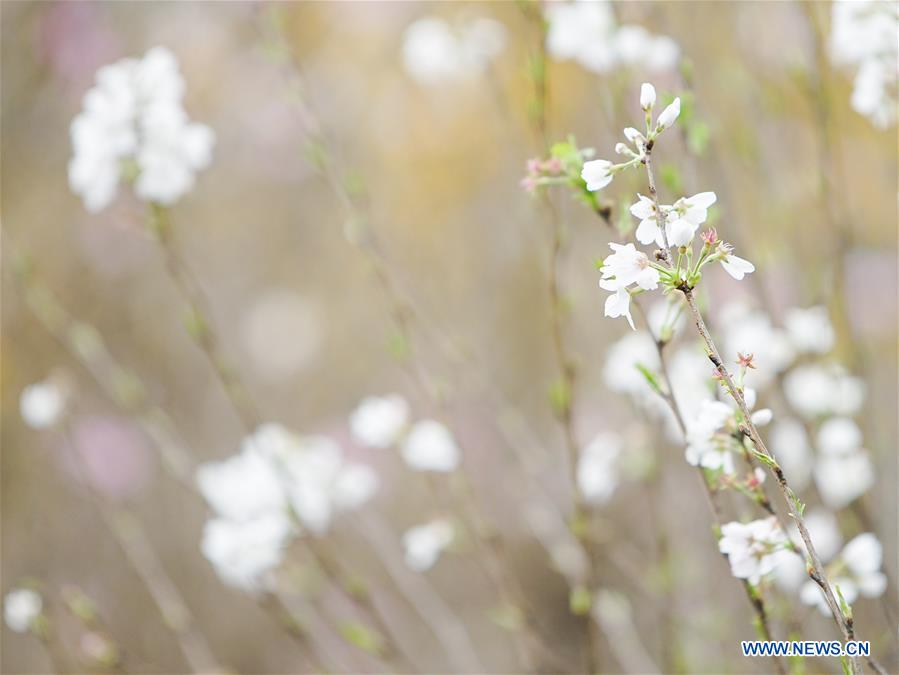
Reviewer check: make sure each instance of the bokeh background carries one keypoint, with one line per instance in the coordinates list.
(806, 189)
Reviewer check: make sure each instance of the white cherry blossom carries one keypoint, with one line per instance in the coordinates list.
(423, 544)
(751, 547)
(133, 128)
(379, 421)
(21, 607)
(810, 329)
(42, 404)
(856, 572)
(244, 552)
(431, 447)
(597, 472)
(597, 174)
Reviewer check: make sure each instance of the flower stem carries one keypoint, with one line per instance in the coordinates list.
(816, 568)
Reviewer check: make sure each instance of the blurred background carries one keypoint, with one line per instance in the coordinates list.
(361, 231)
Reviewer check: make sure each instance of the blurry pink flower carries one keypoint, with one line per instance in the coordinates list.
(113, 455)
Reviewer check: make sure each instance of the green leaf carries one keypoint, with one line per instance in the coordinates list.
(671, 178)
(361, 636)
(651, 378)
(559, 397)
(508, 617)
(844, 606)
(698, 136)
(580, 600)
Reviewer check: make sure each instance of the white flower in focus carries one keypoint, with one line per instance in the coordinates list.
(647, 96)
(736, 266)
(20, 608)
(707, 446)
(244, 552)
(133, 126)
(750, 547)
(379, 421)
(839, 436)
(622, 268)
(647, 231)
(597, 474)
(857, 572)
(679, 232)
(42, 404)
(841, 479)
(596, 173)
(669, 115)
(435, 51)
(810, 329)
(695, 209)
(628, 266)
(430, 447)
(424, 544)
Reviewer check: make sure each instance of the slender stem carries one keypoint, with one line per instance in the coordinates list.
(275, 607)
(201, 326)
(566, 363)
(402, 312)
(668, 395)
(816, 568)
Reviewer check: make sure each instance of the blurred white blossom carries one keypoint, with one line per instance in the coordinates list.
(814, 390)
(436, 51)
(279, 485)
(430, 447)
(863, 34)
(597, 471)
(586, 32)
(839, 436)
(855, 572)
(42, 404)
(709, 444)
(133, 127)
(748, 331)
(379, 421)
(423, 544)
(810, 330)
(244, 552)
(21, 607)
(843, 478)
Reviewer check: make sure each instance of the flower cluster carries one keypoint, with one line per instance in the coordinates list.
(280, 485)
(423, 544)
(663, 225)
(863, 35)
(435, 51)
(585, 31)
(713, 435)
(427, 445)
(133, 128)
(383, 422)
(751, 548)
